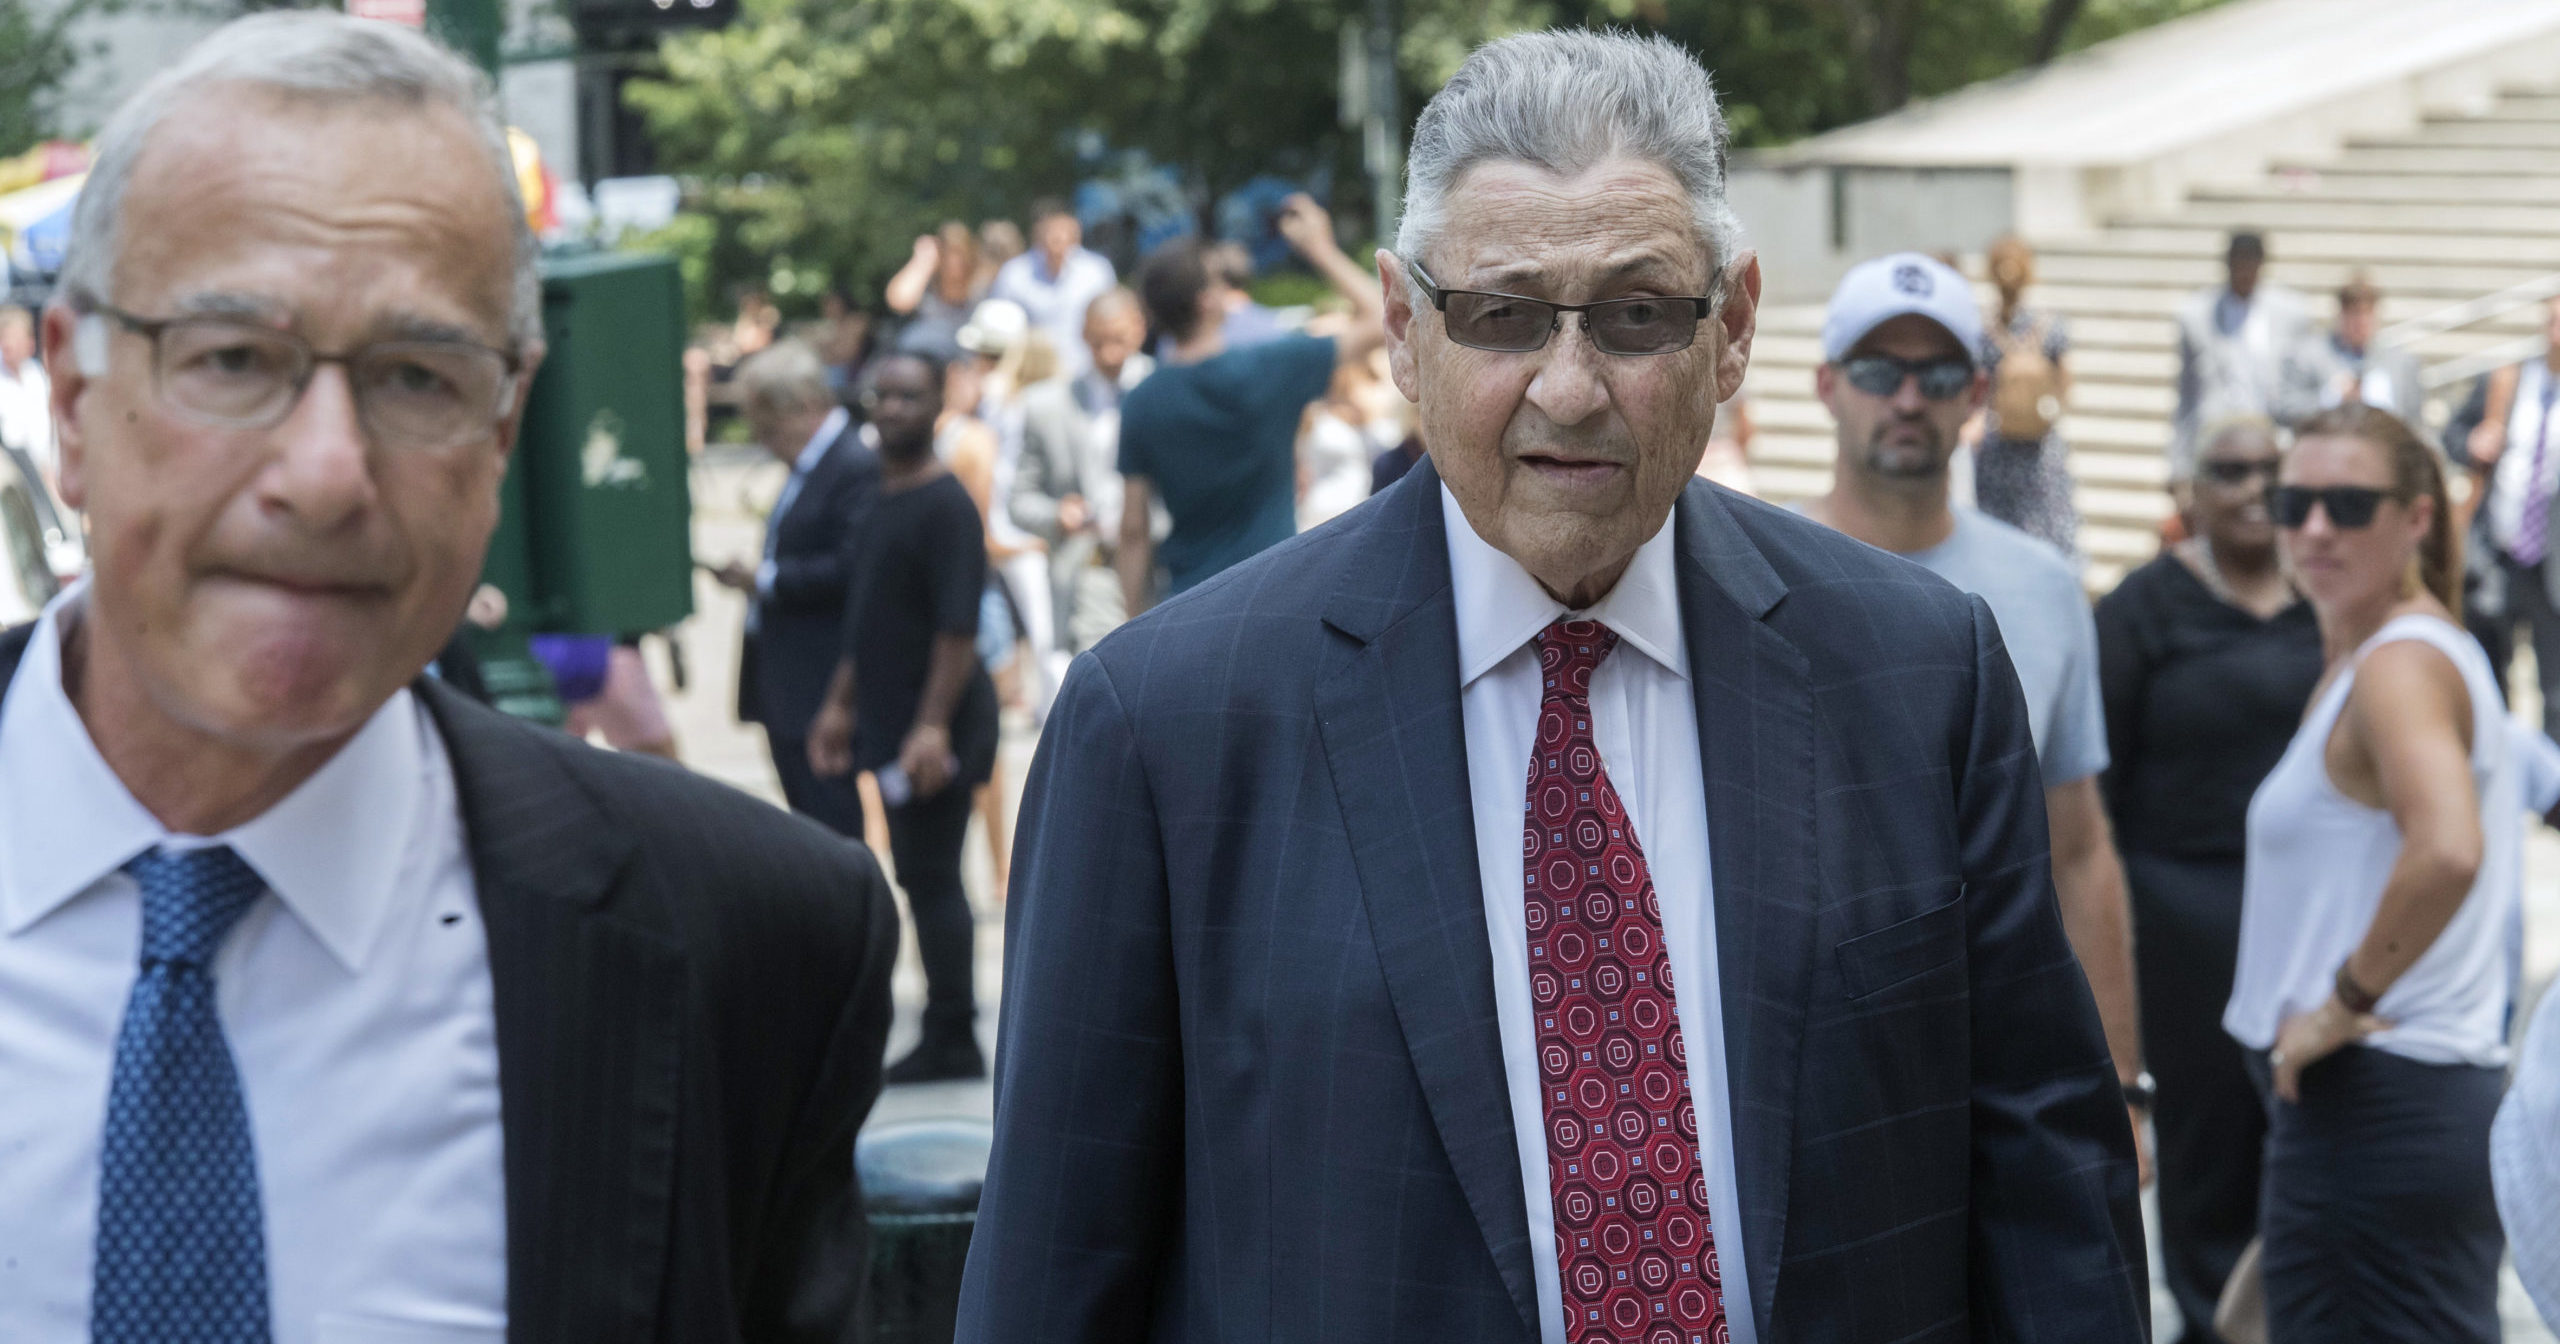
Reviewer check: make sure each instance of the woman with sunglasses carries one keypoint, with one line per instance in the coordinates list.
(2373, 978)
(2206, 656)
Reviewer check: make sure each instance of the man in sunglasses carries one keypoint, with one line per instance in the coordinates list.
(1561, 900)
(1901, 374)
(334, 1005)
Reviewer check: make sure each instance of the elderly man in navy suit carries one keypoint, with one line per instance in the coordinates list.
(1560, 900)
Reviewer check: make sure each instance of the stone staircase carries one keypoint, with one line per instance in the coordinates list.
(2460, 207)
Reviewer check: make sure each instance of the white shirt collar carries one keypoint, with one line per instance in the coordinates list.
(828, 431)
(330, 850)
(1501, 608)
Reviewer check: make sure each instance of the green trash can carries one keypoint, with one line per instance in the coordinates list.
(920, 1185)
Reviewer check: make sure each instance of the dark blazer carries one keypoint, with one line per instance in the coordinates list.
(1249, 1084)
(784, 665)
(692, 993)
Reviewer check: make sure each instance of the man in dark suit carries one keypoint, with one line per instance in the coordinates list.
(334, 1006)
(1561, 900)
(795, 623)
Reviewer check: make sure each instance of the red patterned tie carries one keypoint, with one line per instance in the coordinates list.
(1637, 1250)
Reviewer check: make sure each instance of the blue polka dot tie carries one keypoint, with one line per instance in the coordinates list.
(182, 1255)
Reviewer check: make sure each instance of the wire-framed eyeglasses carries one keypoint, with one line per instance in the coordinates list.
(1647, 324)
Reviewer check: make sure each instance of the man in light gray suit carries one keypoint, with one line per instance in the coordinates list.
(1066, 485)
(2232, 343)
(2343, 363)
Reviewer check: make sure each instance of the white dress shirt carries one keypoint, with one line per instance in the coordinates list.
(1646, 725)
(356, 997)
(2535, 419)
(811, 454)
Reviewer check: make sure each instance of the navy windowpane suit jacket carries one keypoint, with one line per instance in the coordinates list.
(1250, 1085)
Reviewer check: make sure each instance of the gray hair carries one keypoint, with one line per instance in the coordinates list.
(1565, 100)
(786, 375)
(317, 54)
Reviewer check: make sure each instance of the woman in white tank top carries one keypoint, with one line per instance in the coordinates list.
(2373, 980)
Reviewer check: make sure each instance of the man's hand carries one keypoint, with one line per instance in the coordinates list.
(1306, 225)
(487, 608)
(2488, 440)
(2307, 1038)
(927, 251)
(737, 574)
(927, 759)
(1073, 516)
(831, 741)
(2141, 1144)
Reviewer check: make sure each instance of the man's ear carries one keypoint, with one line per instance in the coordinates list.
(1398, 293)
(75, 355)
(1739, 315)
(512, 424)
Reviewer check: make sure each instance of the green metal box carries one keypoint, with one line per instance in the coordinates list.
(597, 516)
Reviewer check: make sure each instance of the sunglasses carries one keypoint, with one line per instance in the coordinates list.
(2236, 473)
(2348, 506)
(1882, 375)
(1516, 325)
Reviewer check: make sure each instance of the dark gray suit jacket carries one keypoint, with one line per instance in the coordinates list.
(786, 661)
(1250, 1083)
(692, 993)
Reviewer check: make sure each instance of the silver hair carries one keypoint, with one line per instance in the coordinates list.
(2184, 460)
(1565, 100)
(786, 375)
(320, 54)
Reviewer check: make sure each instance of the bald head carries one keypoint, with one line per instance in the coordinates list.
(1114, 327)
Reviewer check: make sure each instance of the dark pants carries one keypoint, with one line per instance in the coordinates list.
(2529, 605)
(925, 837)
(833, 803)
(2379, 1218)
(2209, 1122)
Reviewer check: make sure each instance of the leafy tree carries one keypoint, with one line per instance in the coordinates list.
(37, 52)
(818, 137)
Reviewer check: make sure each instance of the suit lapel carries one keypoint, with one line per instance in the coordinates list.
(590, 991)
(1755, 743)
(1387, 710)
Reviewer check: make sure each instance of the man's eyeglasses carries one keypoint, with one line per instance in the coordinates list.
(424, 395)
(1516, 324)
(2236, 473)
(1882, 375)
(2348, 506)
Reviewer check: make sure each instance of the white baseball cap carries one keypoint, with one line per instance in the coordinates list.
(995, 327)
(1878, 291)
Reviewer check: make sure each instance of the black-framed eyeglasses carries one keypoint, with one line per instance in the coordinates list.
(2231, 472)
(1883, 375)
(423, 395)
(1515, 324)
(2348, 506)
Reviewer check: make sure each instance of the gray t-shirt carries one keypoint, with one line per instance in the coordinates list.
(2052, 637)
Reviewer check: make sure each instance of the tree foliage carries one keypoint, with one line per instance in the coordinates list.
(817, 137)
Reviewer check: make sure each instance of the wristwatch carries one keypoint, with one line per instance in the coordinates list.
(2140, 1093)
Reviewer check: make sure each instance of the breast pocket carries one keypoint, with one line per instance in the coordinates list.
(1877, 961)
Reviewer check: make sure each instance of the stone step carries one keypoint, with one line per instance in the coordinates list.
(1783, 362)
(2468, 132)
(2179, 238)
(2137, 433)
(2492, 160)
(2264, 211)
(2398, 277)
(2349, 183)
(2130, 473)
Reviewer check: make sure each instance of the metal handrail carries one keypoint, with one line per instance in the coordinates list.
(2470, 366)
(2470, 312)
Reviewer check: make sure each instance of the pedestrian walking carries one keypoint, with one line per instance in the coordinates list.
(936, 291)
(1214, 432)
(1307, 1038)
(910, 701)
(2374, 976)
(1900, 378)
(2507, 434)
(1066, 484)
(2022, 467)
(333, 1004)
(2344, 364)
(1057, 280)
(2206, 657)
(796, 593)
(2232, 342)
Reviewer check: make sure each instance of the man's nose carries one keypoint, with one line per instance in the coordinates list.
(324, 472)
(1908, 399)
(1568, 388)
